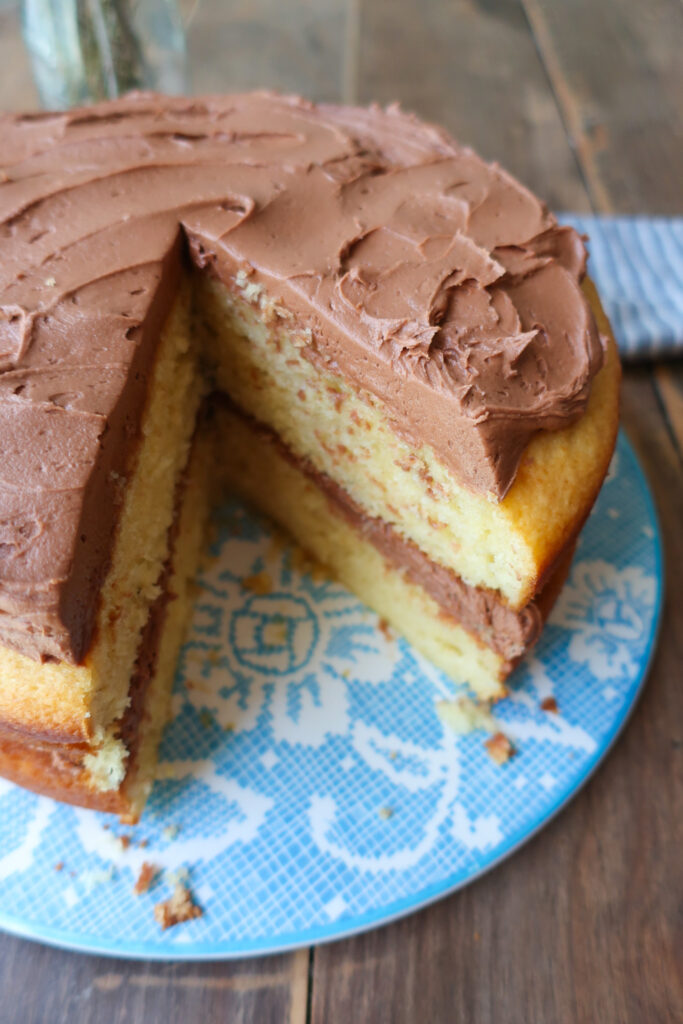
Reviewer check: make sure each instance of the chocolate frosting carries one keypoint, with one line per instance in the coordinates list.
(428, 277)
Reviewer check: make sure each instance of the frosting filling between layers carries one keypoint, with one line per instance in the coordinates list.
(430, 278)
(482, 612)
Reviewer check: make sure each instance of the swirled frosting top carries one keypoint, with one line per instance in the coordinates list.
(422, 273)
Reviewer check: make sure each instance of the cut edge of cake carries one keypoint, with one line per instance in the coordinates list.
(110, 764)
(117, 775)
(62, 702)
(391, 348)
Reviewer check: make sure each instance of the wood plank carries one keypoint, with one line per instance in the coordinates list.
(257, 44)
(669, 384)
(46, 986)
(617, 74)
(472, 66)
(583, 924)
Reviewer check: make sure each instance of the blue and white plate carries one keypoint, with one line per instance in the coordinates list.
(308, 784)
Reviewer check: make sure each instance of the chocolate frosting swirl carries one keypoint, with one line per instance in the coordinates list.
(425, 275)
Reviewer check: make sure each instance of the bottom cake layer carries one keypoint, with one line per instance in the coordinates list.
(467, 632)
(319, 517)
(72, 772)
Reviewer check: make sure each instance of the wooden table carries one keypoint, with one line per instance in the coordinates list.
(582, 100)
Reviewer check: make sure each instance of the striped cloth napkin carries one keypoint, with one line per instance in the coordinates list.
(637, 266)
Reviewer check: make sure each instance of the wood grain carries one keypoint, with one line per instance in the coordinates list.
(617, 73)
(255, 44)
(669, 384)
(473, 67)
(46, 986)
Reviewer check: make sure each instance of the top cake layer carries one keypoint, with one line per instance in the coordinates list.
(423, 274)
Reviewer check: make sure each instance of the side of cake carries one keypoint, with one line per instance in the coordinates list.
(408, 346)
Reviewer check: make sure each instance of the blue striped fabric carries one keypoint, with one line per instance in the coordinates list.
(637, 266)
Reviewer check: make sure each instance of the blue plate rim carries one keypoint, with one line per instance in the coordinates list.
(333, 932)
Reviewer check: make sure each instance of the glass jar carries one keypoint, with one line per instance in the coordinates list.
(87, 50)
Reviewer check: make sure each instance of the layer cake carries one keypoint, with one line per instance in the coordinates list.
(414, 378)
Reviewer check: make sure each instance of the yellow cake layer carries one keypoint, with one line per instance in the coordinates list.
(345, 432)
(80, 702)
(187, 549)
(253, 467)
(111, 776)
(254, 354)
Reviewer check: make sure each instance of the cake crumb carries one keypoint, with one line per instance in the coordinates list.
(96, 877)
(276, 545)
(385, 629)
(550, 704)
(302, 339)
(242, 276)
(171, 832)
(125, 842)
(464, 715)
(146, 878)
(50, 282)
(59, 866)
(252, 291)
(260, 583)
(302, 562)
(206, 719)
(177, 876)
(499, 747)
(386, 813)
(192, 684)
(180, 907)
(275, 633)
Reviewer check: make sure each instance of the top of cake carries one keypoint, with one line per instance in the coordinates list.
(430, 278)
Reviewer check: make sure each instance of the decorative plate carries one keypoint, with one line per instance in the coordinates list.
(310, 784)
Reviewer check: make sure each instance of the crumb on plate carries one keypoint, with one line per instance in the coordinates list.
(146, 878)
(177, 909)
(499, 747)
(464, 715)
(385, 629)
(260, 583)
